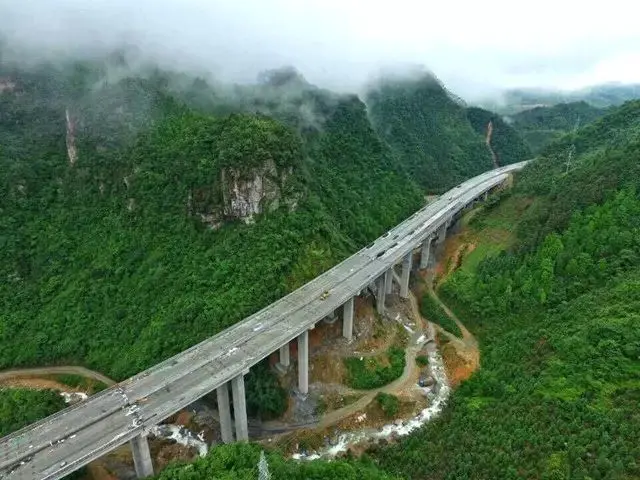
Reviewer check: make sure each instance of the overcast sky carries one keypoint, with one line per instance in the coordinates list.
(472, 45)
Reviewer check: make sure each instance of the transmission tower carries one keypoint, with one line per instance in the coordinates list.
(572, 147)
(263, 468)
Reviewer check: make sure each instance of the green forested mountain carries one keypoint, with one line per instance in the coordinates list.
(557, 317)
(122, 203)
(141, 212)
(604, 160)
(429, 130)
(539, 126)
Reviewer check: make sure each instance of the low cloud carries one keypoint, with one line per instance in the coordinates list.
(476, 48)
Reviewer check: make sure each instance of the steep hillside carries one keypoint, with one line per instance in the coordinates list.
(604, 160)
(507, 145)
(135, 224)
(541, 125)
(557, 318)
(428, 129)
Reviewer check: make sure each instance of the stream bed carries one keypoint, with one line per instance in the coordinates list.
(438, 395)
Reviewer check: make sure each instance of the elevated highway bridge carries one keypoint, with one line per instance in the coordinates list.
(71, 438)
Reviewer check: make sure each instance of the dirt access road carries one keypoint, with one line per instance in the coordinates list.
(34, 377)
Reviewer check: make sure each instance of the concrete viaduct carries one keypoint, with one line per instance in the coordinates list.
(71, 438)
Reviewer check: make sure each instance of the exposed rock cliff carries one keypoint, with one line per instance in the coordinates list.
(248, 194)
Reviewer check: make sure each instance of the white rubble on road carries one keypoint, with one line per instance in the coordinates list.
(73, 397)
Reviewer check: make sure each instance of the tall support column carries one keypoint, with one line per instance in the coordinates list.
(141, 456)
(388, 280)
(240, 408)
(380, 296)
(285, 356)
(424, 253)
(406, 271)
(442, 233)
(224, 410)
(303, 362)
(347, 319)
(485, 196)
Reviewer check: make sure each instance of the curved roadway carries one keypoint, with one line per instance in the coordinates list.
(64, 442)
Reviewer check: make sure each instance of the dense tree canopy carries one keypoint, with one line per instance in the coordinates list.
(20, 407)
(240, 462)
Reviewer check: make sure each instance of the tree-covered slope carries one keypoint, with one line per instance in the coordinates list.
(557, 319)
(120, 229)
(582, 168)
(20, 407)
(428, 130)
(505, 141)
(541, 125)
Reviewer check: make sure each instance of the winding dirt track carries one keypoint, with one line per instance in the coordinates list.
(62, 370)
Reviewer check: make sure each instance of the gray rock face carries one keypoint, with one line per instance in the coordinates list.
(246, 195)
(6, 85)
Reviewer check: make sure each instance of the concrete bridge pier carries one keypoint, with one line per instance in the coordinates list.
(141, 456)
(406, 271)
(303, 362)
(347, 319)
(442, 231)
(381, 294)
(224, 410)
(240, 408)
(285, 357)
(388, 281)
(485, 195)
(424, 253)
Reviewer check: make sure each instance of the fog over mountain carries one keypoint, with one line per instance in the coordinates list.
(474, 47)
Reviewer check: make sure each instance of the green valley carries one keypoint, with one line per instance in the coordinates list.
(143, 210)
